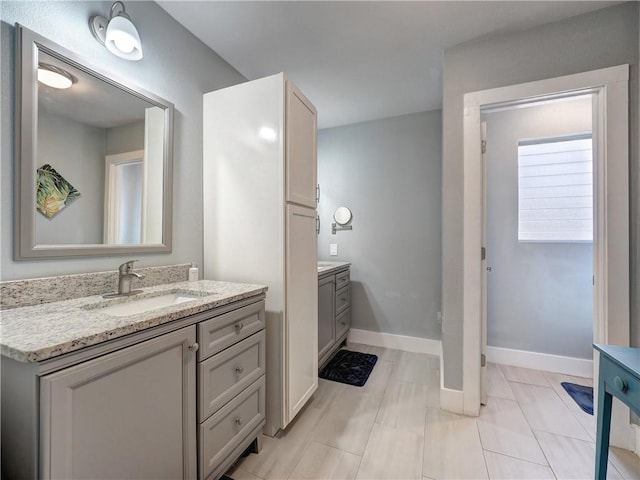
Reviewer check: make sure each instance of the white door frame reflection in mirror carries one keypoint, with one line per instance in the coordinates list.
(123, 218)
(155, 139)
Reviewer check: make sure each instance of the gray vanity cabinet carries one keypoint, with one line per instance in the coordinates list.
(326, 314)
(334, 312)
(127, 414)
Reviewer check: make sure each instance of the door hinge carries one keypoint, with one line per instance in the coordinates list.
(483, 145)
(483, 253)
(483, 360)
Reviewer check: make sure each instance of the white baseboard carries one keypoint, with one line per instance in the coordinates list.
(397, 342)
(541, 361)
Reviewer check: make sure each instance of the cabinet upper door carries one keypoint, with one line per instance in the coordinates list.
(301, 153)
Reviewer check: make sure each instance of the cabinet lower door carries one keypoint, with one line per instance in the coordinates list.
(129, 414)
(301, 312)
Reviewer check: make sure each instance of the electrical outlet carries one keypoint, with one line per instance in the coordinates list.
(333, 249)
(439, 317)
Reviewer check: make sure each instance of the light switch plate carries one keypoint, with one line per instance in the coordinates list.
(333, 249)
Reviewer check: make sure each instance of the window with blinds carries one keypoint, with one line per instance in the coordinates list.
(555, 189)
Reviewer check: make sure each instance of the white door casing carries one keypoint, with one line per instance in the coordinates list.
(609, 87)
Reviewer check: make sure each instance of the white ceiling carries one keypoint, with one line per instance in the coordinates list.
(360, 60)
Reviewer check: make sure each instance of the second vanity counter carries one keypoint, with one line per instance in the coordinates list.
(41, 332)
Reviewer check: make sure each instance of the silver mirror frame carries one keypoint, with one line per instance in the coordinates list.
(28, 45)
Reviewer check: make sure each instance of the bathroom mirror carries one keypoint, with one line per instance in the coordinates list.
(342, 216)
(93, 160)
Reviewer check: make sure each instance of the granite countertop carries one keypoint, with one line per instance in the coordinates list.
(40, 332)
(325, 268)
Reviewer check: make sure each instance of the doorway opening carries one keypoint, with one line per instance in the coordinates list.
(609, 88)
(538, 234)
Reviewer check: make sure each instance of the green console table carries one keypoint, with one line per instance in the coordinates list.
(619, 376)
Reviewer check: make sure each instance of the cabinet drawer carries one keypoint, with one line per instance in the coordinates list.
(221, 332)
(226, 374)
(343, 299)
(343, 322)
(620, 382)
(342, 279)
(227, 428)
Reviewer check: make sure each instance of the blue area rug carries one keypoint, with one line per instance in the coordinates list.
(582, 395)
(352, 368)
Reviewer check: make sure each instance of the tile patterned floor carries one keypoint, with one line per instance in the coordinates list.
(392, 429)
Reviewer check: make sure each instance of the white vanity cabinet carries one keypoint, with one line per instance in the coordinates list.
(334, 311)
(259, 225)
(123, 415)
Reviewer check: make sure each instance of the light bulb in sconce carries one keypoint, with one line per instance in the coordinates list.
(118, 34)
(268, 134)
(54, 77)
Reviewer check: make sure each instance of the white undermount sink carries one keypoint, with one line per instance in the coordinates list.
(145, 303)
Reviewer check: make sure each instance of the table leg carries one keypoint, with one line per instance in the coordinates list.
(603, 426)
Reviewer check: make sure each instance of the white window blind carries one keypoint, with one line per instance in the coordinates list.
(555, 190)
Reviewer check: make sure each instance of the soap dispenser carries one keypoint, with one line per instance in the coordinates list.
(193, 272)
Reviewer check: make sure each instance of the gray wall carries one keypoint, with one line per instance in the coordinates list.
(83, 167)
(597, 40)
(176, 66)
(540, 294)
(388, 172)
(125, 138)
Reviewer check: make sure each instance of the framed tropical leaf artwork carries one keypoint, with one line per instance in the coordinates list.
(53, 192)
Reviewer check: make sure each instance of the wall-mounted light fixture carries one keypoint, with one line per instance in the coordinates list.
(118, 33)
(54, 77)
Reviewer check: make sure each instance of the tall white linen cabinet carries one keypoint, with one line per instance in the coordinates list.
(259, 192)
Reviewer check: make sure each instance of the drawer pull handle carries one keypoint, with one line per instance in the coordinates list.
(621, 384)
(239, 370)
(239, 327)
(343, 323)
(194, 348)
(343, 299)
(238, 421)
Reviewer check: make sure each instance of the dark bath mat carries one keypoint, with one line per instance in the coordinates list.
(582, 395)
(352, 368)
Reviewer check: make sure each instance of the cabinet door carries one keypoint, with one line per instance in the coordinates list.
(129, 414)
(326, 314)
(301, 153)
(301, 311)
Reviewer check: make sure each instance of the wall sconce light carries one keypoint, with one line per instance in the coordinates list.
(55, 77)
(118, 34)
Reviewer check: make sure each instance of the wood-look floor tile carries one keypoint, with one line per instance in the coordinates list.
(571, 458)
(323, 462)
(414, 367)
(503, 467)
(279, 455)
(349, 423)
(524, 375)
(627, 463)
(392, 453)
(497, 384)
(586, 420)
(238, 473)
(324, 395)
(452, 448)
(378, 381)
(545, 411)
(404, 406)
(504, 429)
(383, 353)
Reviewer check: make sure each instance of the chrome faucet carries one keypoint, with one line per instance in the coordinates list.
(125, 275)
